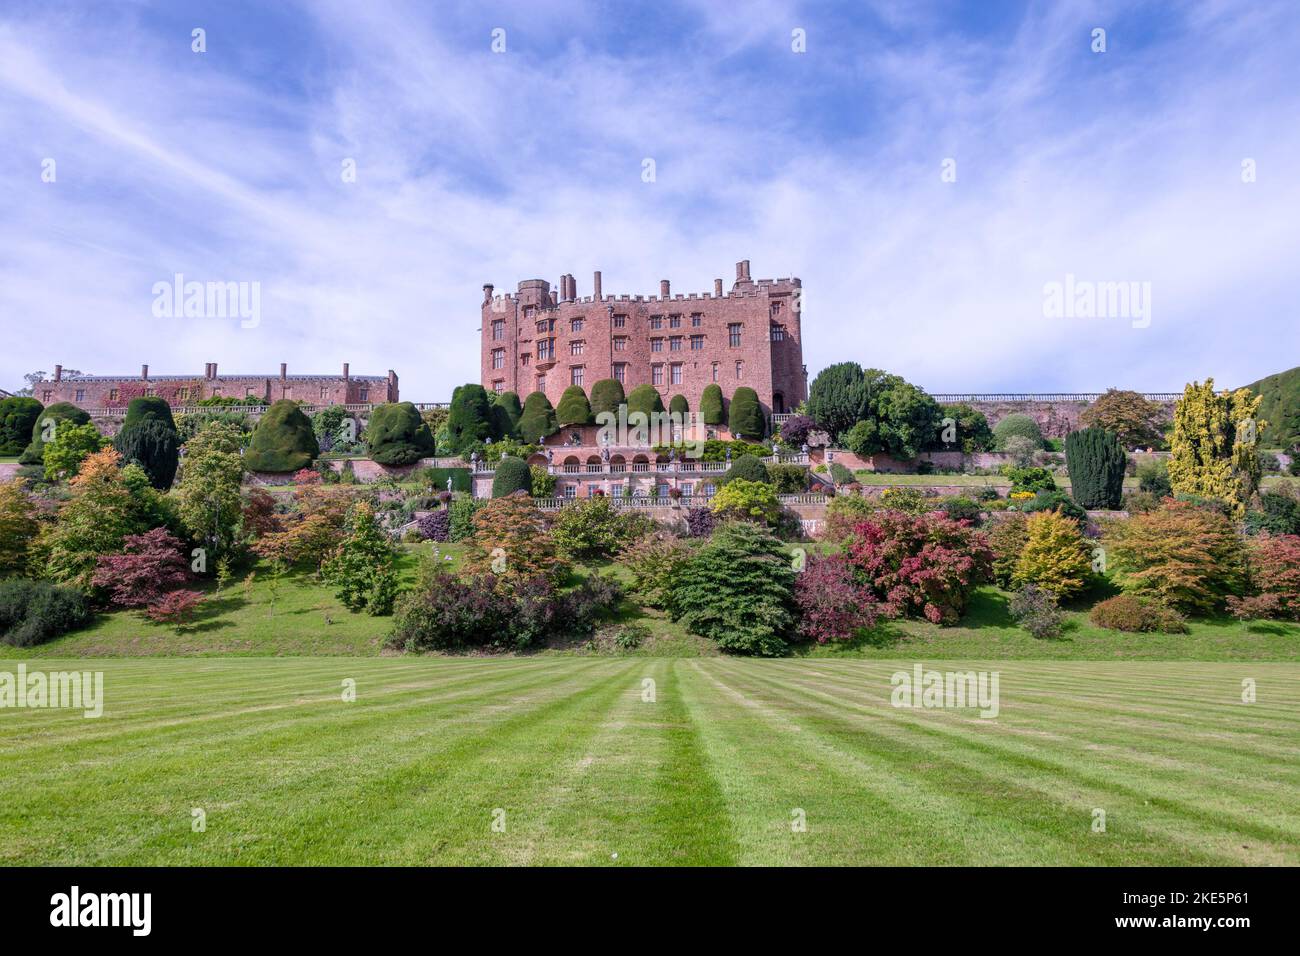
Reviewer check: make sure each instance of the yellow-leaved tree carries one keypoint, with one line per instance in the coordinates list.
(1214, 450)
(1055, 556)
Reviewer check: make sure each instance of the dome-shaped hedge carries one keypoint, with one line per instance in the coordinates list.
(397, 435)
(50, 418)
(283, 440)
(512, 475)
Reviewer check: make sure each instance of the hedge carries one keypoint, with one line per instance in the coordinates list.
(146, 408)
(746, 419)
(573, 408)
(711, 405)
(397, 435)
(679, 406)
(470, 417)
(645, 399)
(512, 474)
(58, 412)
(155, 445)
(506, 412)
(283, 440)
(606, 396)
(461, 479)
(17, 421)
(1096, 461)
(538, 419)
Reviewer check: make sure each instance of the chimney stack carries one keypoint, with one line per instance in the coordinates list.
(742, 270)
(487, 291)
(573, 287)
(346, 376)
(144, 372)
(214, 369)
(284, 367)
(595, 286)
(663, 289)
(58, 373)
(717, 288)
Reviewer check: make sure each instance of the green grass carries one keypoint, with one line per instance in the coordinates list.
(709, 773)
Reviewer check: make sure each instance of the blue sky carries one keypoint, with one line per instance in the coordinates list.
(474, 166)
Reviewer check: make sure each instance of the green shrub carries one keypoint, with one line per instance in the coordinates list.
(506, 412)
(749, 500)
(789, 479)
(543, 481)
(645, 399)
(1016, 425)
(1128, 612)
(512, 475)
(1153, 478)
(463, 508)
(1030, 479)
(283, 441)
(738, 590)
(972, 427)
(1057, 501)
(1277, 514)
(910, 501)
(153, 444)
(1055, 555)
(17, 421)
(745, 417)
(469, 419)
(538, 420)
(148, 407)
(1007, 540)
(397, 435)
(47, 423)
(841, 475)
(963, 509)
(33, 612)
(593, 528)
(747, 467)
(573, 408)
(679, 406)
(1036, 610)
(655, 560)
(711, 405)
(1096, 460)
(362, 569)
(606, 396)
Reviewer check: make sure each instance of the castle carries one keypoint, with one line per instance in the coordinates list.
(105, 392)
(537, 340)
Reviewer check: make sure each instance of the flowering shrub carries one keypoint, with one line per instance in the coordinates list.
(926, 564)
(910, 501)
(1128, 612)
(700, 522)
(435, 526)
(150, 565)
(306, 476)
(832, 604)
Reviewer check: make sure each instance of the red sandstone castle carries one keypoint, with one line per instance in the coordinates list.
(539, 340)
(112, 391)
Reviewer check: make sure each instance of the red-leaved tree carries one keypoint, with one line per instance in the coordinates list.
(149, 566)
(924, 564)
(833, 605)
(176, 608)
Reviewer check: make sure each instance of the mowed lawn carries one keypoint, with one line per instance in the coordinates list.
(579, 768)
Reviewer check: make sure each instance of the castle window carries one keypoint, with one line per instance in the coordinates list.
(541, 326)
(740, 368)
(656, 374)
(715, 371)
(498, 329)
(541, 383)
(113, 394)
(529, 311)
(674, 321)
(364, 394)
(523, 359)
(675, 343)
(677, 373)
(577, 348)
(575, 325)
(498, 386)
(81, 395)
(324, 394)
(656, 321)
(184, 394)
(545, 349)
(620, 321)
(775, 310)
(733, 334)
(656, 345)
(697, 343)
(151, 392)
(620, 343)
(620, 372)
(697, 319)
(778, 333)
(498, 358)
(576, 374)
(45, 396)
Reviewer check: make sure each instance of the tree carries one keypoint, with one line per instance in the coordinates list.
(145, 408)
(1007, 540)
(208, 495)
(17, 421)
(1054, 557)
(711, 405)
(606, 396)
(1016, 425)
(747, 500)
(1188, 557)
(283, 441)
(908, 419)
(46, 427)
(838, 398)
(396, 435)
(154, 445)
(746, 419)
(362, 569)
(510, 540)
(971, 431)
(1096, 461)
(679, 406)
(17, 528)
(593, 528)
(69, 447)
(538, 420)
(1135, 421)
(1213, 451)
(833, 606)
(512, 476)
(506, 412)
(646, 400)
(314, 536)
(738, 590)
(1281, 408)
(148, 566)
(795, 429)
(470, 419)
(573, 408)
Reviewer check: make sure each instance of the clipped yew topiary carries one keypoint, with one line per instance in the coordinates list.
(711, 405)
(645, 399)
(679, 406)
(17, 420)
(506, 412)
(470, 418)
(748, 467)
(746, 419)
(1016, 425)
(573, 408)
(283, 440)
(1096, 461)
(397, 435)
(146, 407)
(512, 475)
(538, 419)
(606, 396)
(46, 423)
(154, 445)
